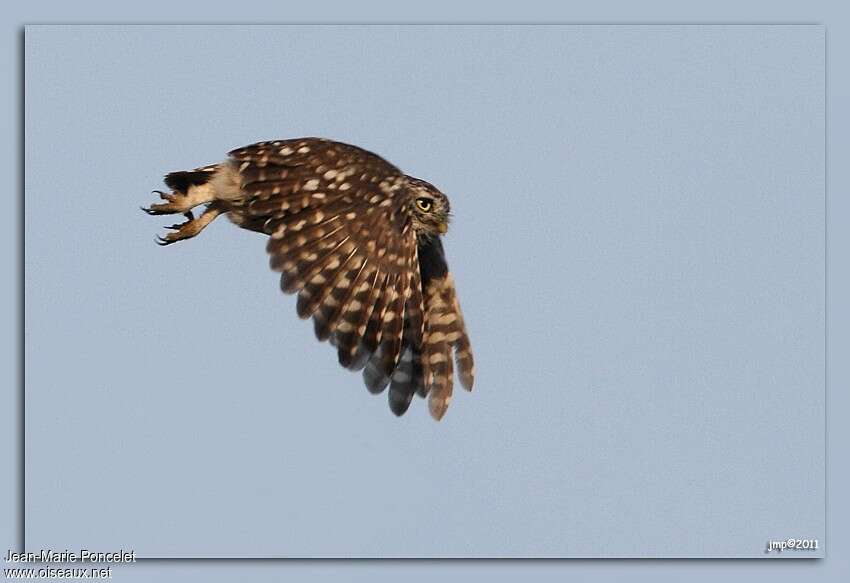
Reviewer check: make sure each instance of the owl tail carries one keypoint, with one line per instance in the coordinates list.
(183, 181)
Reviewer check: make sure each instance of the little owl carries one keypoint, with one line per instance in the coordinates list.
(359, 242)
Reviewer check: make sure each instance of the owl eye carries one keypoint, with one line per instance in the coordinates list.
(425, 204)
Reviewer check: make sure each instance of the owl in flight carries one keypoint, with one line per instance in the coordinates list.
(359, 242)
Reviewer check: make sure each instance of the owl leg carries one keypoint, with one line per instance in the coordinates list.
(178, 202)
(193, 226)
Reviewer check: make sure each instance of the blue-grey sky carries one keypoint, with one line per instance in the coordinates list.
(637, 245)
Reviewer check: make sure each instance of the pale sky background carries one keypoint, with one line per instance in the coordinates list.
(638, 247)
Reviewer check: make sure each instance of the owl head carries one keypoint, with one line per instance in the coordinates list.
(429, 208)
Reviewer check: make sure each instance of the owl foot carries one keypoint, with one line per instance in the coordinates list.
(175, 203)
(179, 202)
(192, 227)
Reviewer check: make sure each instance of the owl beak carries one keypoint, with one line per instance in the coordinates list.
(443, 227)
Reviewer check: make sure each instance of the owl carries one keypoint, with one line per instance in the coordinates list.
(360, 244)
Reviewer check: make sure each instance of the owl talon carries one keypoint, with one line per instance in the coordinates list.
(174, 203)
(165, 196)
(190, 228)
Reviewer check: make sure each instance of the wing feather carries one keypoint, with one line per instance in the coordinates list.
(338, 218)
(355, 316)
(393, 325)
(445, 333)
(402, 382)
(328, 316)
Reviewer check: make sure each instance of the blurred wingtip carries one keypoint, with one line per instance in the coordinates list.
(438, 408)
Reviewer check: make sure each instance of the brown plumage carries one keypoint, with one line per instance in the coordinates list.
(359, 242)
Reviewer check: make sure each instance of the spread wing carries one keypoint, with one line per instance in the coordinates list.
(340, 234)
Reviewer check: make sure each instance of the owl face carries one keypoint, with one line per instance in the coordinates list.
(430, 208)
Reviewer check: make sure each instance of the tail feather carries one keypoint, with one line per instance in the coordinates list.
(183, 180)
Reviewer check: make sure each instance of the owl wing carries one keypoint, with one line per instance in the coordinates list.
(340, 234)
(445, 333)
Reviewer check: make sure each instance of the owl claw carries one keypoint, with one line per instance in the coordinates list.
(191, 227)
(179, 232)
(174, 203)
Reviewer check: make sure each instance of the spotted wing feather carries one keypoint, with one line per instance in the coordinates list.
(445, 340)
(340, 235)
